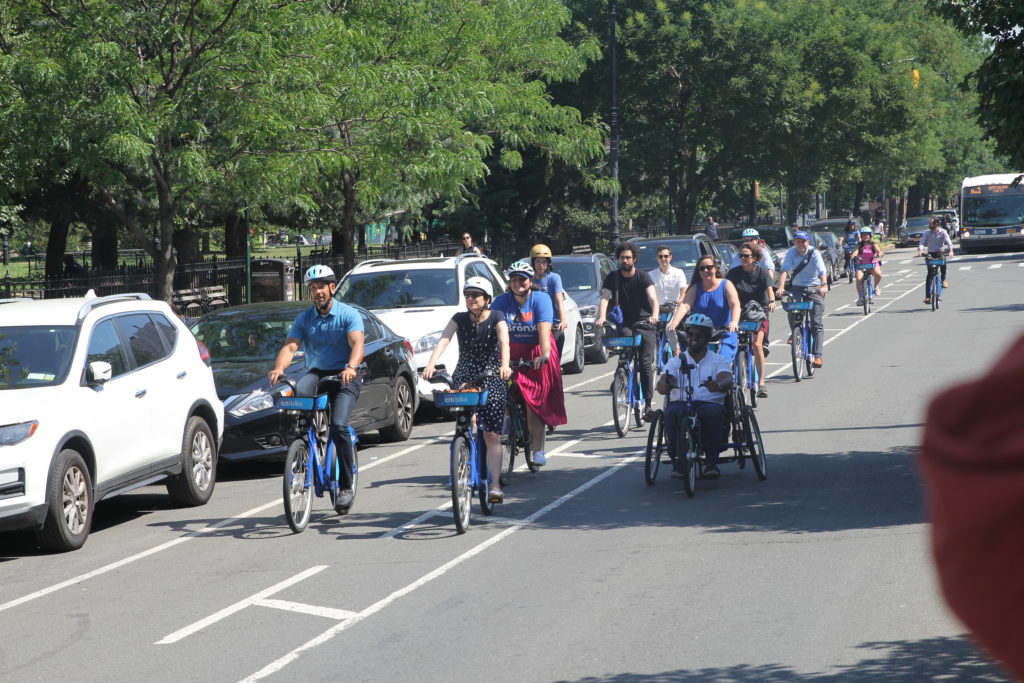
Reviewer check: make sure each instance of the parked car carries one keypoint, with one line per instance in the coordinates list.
(243, 343)
(417, 297)
(301, 240)
(99, 395)
(950, 215)
(582, 275)
(911, 230)
(729, 253)
(831, 252)
(686, 251)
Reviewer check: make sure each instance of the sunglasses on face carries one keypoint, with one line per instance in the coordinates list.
(466, 237)
(664, 255)
(746, 256)
(706, 267)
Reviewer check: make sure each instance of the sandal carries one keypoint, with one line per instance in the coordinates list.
(497, 497)
(762, 392)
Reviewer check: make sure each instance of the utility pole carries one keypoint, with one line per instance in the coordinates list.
(614, 145)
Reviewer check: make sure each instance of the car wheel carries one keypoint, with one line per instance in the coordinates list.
(401, 428)
(576, 366)
(194, 485)
(69, 504)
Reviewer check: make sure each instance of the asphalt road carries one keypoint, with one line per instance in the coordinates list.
(820, 573)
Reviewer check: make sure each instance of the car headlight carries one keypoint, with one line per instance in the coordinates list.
(428, 341)
(12, 434)
(258, 400)
(588, 311)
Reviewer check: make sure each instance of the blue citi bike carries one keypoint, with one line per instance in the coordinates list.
(311, 465)
(744, 366)
(867, 285)
(628, 398)
(801, 335)
(740, 420)
(934, 288)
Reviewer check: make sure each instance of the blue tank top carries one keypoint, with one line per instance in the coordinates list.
(713, 304)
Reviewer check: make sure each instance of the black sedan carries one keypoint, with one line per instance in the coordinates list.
(243, 343)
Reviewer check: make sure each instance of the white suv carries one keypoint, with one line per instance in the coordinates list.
(99, 396)
(417, 297)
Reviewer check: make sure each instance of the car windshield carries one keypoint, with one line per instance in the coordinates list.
(914, 223)
(400, 288)
(245, 336)
(774, 237)
(994, 211)
(577, 276)
(35, 356)
(684, 254)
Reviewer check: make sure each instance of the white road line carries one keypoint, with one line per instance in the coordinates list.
(995, 265)
(588, 381)
(301, 608)
(330, 633)
(240, 605)
(968, 267)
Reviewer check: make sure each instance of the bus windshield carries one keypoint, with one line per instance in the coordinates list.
(993, 210)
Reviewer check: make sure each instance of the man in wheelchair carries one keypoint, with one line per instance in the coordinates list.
(710, 375)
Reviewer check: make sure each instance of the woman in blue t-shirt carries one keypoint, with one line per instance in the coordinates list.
(528, 315)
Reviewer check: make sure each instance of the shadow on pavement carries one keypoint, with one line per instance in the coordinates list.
(953, 658)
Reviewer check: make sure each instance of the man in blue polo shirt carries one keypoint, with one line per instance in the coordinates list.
(331, 334)
(805, 267)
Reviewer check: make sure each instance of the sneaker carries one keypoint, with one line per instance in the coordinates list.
(767, 350)
(762, 392)
(817, 362)
(927, 299)
(860, 302)
(711, 472)
(945, 285)
(344, 499)
(551, 429)
(497, 497)
(539, 458)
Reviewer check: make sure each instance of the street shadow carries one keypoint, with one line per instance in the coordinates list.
(953, 658)
(1004, 308)
(843, 429)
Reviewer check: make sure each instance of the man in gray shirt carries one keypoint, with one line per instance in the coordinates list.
(805, 266)
(936, 243)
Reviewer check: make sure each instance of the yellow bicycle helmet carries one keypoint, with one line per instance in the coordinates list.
(540, 251)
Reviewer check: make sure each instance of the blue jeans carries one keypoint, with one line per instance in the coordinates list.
(712, 423)
(342, 402)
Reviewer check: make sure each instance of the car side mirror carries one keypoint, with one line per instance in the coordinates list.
(99, 372)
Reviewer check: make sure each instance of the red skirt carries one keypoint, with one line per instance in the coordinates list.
(541, 388)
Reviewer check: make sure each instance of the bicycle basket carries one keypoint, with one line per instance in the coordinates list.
(750, 325)
(865, 266)
(797, 305)
(301, 402)
(619, 342)
(457, 399)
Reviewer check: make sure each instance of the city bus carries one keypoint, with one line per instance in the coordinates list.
(992, 211)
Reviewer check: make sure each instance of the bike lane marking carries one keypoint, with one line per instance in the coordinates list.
(117, 564)
(279, 664)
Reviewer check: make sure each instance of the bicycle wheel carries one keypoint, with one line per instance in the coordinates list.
(655, 447)
(754, 444)
(638, 406)
(739, 408)
(688, 452)
(462, 490)
(936, 291)
(298, 497)
(808, 353)
(620, 401)
(865, 293)
(743, 374)
(523, 434)
(508, 455)
(483, 487)
(796, 350)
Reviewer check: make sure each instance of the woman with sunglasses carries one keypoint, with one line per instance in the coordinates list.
(483, 347)
(714, 296)
(754, 283)
(468, 246)
(528, 315)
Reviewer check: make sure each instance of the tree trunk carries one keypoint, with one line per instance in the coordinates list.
(858, 197)
(234, 236)
(56, 244)
(915, 200)
(186, 243)
(348, 215)
(752, 203)
(104, 246)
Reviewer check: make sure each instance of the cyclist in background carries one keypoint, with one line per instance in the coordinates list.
(483, 347)
(804, 265)
(936, 243)
(868, 253)
(331, 334)
(714, 296)
(711, 378)
(634, 301)
(764, 260)
(754, 288)
(851, 237)
(528, 316)
(669, 286)
(547, 281)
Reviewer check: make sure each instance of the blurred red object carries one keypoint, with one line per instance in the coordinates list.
(973, 463)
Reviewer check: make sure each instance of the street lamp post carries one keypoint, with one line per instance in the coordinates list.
(614, 146)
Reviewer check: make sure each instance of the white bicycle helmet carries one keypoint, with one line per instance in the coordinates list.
(700, 320)
(522, 267)
(481, 284)
(318, 272)
(750, 232)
